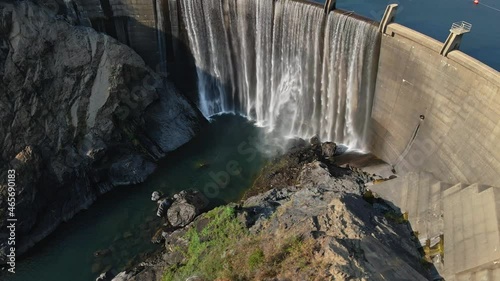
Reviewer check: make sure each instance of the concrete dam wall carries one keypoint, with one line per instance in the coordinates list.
(430, 112)
(459, 100)
(285, 64)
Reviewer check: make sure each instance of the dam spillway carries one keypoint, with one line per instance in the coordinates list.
(457, 94)
(284, 64)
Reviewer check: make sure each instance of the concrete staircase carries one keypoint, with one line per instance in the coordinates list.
(466, 217)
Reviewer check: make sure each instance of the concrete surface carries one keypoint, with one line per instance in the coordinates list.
(466, 216)
(460, 99)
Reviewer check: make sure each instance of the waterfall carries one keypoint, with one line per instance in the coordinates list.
(160, 34)
(285, 65)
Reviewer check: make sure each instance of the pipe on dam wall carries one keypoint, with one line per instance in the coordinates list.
(459, 97)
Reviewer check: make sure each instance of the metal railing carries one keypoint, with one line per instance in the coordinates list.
(460, 27)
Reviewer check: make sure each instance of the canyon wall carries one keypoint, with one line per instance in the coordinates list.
(435, 113)
(80, 113)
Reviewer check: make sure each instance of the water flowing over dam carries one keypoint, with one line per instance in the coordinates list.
(428, 110)
(286, 65)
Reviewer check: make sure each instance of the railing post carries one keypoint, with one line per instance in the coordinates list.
(455, 38)
(389, 15)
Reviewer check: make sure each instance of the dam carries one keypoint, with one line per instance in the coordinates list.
(244, 65)
(433, 116)
(391, 93)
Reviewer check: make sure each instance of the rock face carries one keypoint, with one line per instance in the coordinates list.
(320, 228)
(283, 171)
(354, 240)
(328, 149)
(79, 114)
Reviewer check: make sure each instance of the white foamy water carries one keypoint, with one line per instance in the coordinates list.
(286, 66)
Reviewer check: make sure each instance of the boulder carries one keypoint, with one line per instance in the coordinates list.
(181, 214)
(158, 237)
(187, 205)
(317, 174)
(315, 140)
(130, 169)
(123, 276)
(105, 276)
(328, 149)
(155, 196)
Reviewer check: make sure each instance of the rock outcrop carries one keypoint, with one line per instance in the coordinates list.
(79, 113)
(323, 227)
(187, 205)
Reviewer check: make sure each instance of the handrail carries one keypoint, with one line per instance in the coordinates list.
(461, 27)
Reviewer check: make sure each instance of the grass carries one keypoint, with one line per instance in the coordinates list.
(206, 254)
(225, 249)
(256, 259)
(396, 217)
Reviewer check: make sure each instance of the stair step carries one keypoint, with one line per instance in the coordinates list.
(464, 277)
(466, 214)
(476, 188)
(454, 189)
(404, 195)
(436, 220)
(469, 217)
(483, 275)
(482, 188)
(412, 197)
(423, 202)
(495, 274)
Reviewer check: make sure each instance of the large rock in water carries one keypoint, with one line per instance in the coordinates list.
(187, 205)
(79, 114)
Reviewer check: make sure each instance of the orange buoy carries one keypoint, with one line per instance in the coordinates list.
(476, 2)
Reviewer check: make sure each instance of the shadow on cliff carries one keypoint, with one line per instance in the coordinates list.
(181, 70)
(175, 60)
(389, 213)
(172, 57)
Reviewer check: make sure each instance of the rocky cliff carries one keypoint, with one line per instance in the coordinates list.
(320, 226)
(80, 113)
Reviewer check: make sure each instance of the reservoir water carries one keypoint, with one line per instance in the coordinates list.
(434, 18)
(121, 223)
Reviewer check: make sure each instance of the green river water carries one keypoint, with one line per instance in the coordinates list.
(123, 221)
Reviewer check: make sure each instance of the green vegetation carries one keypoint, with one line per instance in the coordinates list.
(395, 217)
(224, 249)
(369, 197)
(206, 254)
(293, 252)
(256, 259)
